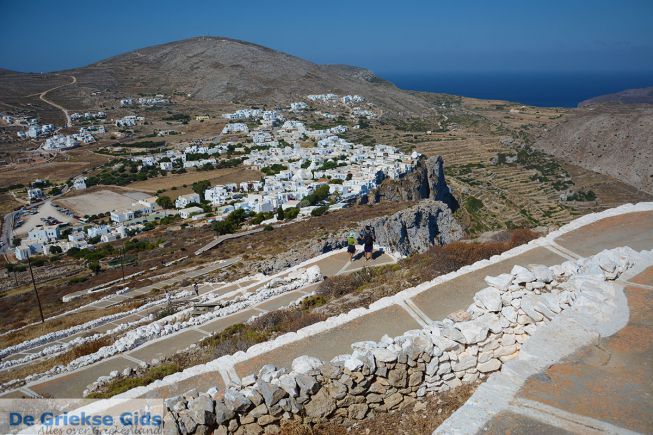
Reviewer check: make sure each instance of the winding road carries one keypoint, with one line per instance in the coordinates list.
(52, 103)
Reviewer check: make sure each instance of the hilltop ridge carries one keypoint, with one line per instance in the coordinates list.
(224, 70)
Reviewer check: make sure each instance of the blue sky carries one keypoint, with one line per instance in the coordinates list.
(396, 37)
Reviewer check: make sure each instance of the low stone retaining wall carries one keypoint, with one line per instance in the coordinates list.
(381, 376)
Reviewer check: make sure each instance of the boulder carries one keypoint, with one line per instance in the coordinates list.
(357, 411)
(331, 371)
(489, 366)
(222, 413)
(307, 384)
(522, 275)
(384, 355)
(201, 409)
(304, 364)
(500, 282)
(270, 392)
(321, 405)
(542, 273)
(236, 401)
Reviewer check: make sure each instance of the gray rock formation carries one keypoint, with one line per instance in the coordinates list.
(417, 228)
(426, 181)
(414, 229)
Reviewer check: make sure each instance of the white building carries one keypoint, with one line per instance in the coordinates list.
(119, 216)
(165, 166)
(99, 230)
(184, 200)
(44, 234)
(34, 194)
(190, 211)
(109, 237)
(235, 127)
(22, 252)
(79, 183)
(298, 107)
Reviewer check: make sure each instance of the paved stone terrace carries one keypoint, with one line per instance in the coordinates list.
(606, 387)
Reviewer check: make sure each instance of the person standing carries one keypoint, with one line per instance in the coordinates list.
(368, 242)
(196, 289)
(351, 245)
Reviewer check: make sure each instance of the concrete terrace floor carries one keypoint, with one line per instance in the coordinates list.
(71, 385)
(606, 387)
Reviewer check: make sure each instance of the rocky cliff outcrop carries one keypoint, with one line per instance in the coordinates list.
(414, 229)
(427, 181)
(417, 228)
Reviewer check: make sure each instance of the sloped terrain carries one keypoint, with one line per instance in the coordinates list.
(615, 140)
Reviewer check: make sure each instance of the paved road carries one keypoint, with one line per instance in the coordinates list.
(606, 387)
(73, 384)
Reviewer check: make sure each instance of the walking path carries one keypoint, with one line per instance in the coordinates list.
(602, 387)
(413, 308)
(52, 103)
(176, 279)
(72, 384)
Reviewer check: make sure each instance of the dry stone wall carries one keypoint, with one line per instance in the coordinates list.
(381, 376)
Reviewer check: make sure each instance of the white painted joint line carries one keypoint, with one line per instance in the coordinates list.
(418, 311)
(633, 284)
(558, 252)
(561, 248)
(29, 393)
(201, 331)
(563, 419)
(412, 313)
(132, 359)
(228, 373)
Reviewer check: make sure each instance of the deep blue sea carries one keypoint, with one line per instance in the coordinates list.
(537, 89)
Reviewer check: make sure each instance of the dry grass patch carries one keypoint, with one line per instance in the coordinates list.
(41, 366)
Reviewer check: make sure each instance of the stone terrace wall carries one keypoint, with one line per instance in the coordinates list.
(381, 376)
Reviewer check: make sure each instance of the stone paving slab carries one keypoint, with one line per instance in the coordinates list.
(328, 344)
(457, 294)
(611, 381)
(515, 424)
(280, 301)
(221, 323)
(631, 229)
(72, 384)
(104, 328)
(168, 346)
(14, 394)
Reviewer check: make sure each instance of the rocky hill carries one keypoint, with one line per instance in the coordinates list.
(616, 140)
(223, 70)
(629, 96)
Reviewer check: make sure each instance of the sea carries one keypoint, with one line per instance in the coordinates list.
(544, 89)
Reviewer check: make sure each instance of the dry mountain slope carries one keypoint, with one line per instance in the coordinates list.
(616, 140)
(223, 70)
(629, 96)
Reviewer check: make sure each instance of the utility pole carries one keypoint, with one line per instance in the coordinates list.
(38, 300)
(122, 260)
